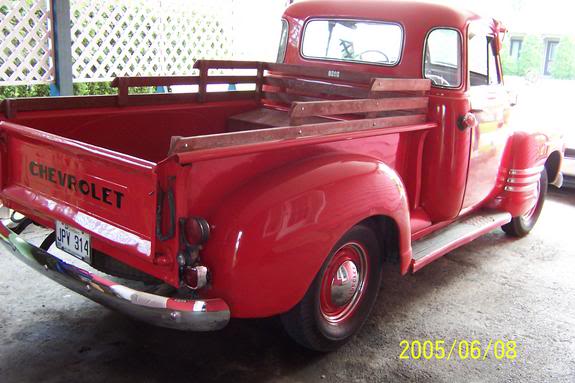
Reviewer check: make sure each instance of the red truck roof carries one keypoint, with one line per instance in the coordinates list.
(416, 18)
(425, 14)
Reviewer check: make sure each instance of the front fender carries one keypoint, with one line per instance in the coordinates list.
(523, 160)
(271, 236)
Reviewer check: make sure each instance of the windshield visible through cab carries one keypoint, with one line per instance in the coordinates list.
(350, 40)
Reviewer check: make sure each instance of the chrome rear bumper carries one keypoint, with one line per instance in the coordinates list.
(189, 315)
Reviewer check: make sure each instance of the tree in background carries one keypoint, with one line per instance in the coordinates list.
(24, 91)
(508, 62)
(531, 56)
(564, 65)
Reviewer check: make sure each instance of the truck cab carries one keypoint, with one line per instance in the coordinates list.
(464, 161)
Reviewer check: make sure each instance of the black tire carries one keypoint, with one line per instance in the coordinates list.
(307, 322)
(521, 226)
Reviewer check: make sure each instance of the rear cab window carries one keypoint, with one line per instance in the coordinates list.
(442, 58)
(371, 42)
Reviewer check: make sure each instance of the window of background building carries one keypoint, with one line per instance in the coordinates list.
(515, 47)
(550, 50)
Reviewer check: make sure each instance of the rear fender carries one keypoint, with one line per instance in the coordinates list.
(271, 236)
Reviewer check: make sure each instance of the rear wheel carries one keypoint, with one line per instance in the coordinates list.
(521, 226)
(342, 294)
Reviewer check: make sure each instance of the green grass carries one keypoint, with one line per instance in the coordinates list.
(80, 89)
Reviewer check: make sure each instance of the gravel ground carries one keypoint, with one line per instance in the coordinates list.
(494, 288)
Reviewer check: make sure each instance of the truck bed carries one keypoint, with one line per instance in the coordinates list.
(152, 127)
(107, 165)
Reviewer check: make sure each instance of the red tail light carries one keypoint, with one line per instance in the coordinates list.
(197, 230)
(196, 277)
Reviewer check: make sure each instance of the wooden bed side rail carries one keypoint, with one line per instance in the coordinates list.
(10, 107)
(316, 72)
(206, 76)
(280, 83)
(288, 90)
(400, 85)
(201, 81)
(300, 110)
(391, 124)
(311, 81)
(377, 101)
(125, 83)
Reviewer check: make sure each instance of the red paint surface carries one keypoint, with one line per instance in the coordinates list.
(276, 209)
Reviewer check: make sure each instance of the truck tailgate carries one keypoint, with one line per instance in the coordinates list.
(107, 194)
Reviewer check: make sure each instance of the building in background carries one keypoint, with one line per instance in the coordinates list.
(541, 35)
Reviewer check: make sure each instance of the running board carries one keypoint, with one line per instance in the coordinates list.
(458, 233)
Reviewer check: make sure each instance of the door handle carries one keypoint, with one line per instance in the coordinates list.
(466, 121)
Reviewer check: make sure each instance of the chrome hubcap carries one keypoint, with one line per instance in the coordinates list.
(345, 284)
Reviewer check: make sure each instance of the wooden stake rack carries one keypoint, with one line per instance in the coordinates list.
(307, 100)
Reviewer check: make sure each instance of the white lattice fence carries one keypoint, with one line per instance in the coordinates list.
(133, 37)
(25, 42)
(143, 37)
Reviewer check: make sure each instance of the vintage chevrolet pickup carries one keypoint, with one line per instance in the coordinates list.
(378, 139)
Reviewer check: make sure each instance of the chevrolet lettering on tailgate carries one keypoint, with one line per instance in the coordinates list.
(71, 182)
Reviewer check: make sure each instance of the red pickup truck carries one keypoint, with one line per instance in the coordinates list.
(379, 139)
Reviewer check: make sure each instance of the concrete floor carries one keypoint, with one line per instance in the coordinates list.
(494, 288)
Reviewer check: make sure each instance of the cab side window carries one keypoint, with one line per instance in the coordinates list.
(442, 61)
(482, 60)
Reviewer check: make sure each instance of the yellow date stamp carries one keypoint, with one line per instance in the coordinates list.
(461, 349)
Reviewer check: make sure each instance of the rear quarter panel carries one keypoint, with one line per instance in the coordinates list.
(275, 216)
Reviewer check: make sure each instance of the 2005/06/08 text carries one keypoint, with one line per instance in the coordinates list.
(459, 348)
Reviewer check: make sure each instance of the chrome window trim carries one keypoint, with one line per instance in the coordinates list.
(461, 79)
(527, 171)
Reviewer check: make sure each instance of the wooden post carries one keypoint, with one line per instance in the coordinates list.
(259, 80)
(203, 84)
(62, 48)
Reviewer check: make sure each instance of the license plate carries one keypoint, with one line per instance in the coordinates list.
(73, 241)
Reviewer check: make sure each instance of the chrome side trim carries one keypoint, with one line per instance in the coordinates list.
(524, 180)
(521, 189)
(180, 314)
(526, 172)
